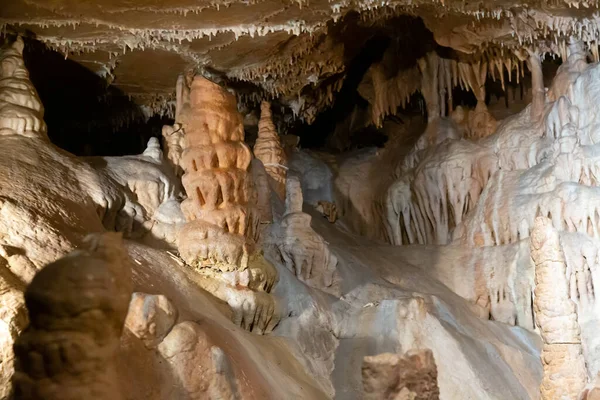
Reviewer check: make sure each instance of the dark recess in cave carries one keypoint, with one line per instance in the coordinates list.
(82, 112)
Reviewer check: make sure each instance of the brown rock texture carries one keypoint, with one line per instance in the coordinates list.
(390, 376)
(77, 308)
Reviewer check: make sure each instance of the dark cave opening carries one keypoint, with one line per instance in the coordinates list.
(84, 114)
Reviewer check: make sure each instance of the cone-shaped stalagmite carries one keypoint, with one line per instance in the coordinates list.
(220, 237)
(21, 111)
(268, 149)
(222, 222)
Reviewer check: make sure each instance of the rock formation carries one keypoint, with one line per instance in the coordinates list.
(143, 193)
(173, 143)
(565, 375)
(220, 237)
(150, 318)
(77, 307)
(202, 367)
(299, 247)
(390, 376)
(263, 191)
(463, 184)
(268, 149)
(21, 111)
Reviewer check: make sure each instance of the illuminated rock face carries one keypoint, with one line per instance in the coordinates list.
(268, 149)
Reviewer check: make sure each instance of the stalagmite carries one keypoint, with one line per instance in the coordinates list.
(565, 375)
(219, 240)
(263, 189)
(299, 247)
(77, 307)
(21, 111)
(268, 149)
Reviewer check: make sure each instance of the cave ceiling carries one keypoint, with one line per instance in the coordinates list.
(296, 52)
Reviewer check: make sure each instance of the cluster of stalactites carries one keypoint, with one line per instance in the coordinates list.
(268, 149)
(436, 77)
(222, 226)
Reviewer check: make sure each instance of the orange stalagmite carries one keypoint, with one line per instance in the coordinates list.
(216, 180)
(219, 239)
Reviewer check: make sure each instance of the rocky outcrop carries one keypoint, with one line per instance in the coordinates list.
(150, 318)
(140, 194)
(201, 367)
(77, 308)
(394, 377)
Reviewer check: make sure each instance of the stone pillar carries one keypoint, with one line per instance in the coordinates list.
(21, 111)
(222, 223)
(219, 239)
(268, 149)
(565, 375)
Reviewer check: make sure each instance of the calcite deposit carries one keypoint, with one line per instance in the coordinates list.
(284, 200)
(222, 229)
(268, 149)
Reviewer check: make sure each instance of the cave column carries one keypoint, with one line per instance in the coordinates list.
(565, 374)
(429, 66)
(538, 101)
(219, 239)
